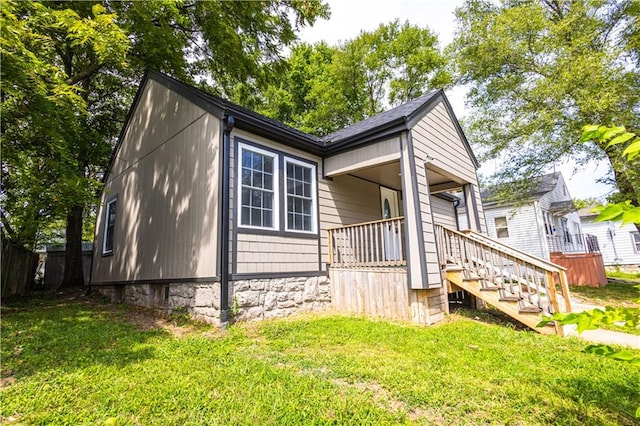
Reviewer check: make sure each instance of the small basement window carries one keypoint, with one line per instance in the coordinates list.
(109, 226)
(502, 231)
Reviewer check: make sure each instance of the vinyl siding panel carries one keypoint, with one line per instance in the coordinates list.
(436, 140)
(378, 153)
(440, 140)
(525, 229)
(166, 180)
(443, 212)
(617, 248)
(257, 253)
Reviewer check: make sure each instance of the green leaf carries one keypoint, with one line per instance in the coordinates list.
(631, 216)
(633, 148)
(611, 212)
(611, 132)
(621, 139)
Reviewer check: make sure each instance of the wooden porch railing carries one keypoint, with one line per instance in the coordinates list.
(517, 275)
(371, 244)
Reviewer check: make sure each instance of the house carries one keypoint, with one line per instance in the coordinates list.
(213, 207)
(545, 225)
(619, 244)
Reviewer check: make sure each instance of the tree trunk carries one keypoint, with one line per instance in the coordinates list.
(73, 275)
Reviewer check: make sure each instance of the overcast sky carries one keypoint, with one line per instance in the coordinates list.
(349, 17)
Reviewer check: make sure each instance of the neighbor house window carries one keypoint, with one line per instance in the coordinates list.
(501, 227)
(109, 226)
(635, 239)
(258, 188)
(548, 223)
(300, 187)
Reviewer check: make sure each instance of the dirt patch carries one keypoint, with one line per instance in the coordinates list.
(7, 381)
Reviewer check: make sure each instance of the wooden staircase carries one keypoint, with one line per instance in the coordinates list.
(522, 286)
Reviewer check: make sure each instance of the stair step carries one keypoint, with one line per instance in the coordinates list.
(510, 299)
(474, 278)
(453, 268)
(530, 309)
(490, 288)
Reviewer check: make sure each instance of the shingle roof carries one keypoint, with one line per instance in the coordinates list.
(395, 114)
(543, 184)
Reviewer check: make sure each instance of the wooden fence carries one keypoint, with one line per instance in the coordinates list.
(18, 269)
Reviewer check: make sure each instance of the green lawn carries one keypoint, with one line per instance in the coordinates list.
(613, 294)
(79, 361)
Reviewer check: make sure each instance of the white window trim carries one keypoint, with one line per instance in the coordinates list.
(276, 186)
(106, 225)
(636, 245)
(314, 198)
(495, 224)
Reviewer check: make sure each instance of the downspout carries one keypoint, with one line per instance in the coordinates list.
(456, 203)
(228, 124)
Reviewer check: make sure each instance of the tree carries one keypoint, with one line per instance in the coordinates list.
(69, 73)
(538, 70)
(622, 211)
(596, 318)
(327, 88)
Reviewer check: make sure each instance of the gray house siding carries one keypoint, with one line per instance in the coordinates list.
(164, 229)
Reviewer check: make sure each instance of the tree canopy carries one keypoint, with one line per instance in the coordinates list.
(327, 87)
(69, 72)
(540, 70)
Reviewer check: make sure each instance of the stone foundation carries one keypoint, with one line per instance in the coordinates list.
(629, 269)
(249, 299)
(278, 297)
(202, 300)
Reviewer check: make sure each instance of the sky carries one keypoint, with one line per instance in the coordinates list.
(349, 17)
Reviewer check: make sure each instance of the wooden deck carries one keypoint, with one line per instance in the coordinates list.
(583, 269)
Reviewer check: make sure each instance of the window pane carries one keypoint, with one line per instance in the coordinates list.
(256, 198)
(246, 197)
(306, 225)
(291, 221)
(306, 207)
(267, 180)
(246, 176)
(268, 200)
(267, 164)
(267, 216)
(256, 217)
(245, 220)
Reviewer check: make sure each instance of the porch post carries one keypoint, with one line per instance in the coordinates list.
(416, 256)
(471, 206)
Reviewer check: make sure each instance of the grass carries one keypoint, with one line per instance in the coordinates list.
(613, 294)
(627, 276)
(80, 361)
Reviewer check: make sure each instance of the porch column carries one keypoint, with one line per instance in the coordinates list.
(420, 237)
(471, 206)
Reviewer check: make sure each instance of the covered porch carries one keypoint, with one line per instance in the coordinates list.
(387, 265)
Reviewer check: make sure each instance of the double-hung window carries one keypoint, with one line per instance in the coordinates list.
(276, 192)
(502, 229)
(109, 226)
(258, 189)
(300, 187)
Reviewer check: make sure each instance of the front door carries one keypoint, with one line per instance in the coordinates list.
(391, 240)
(389, 203)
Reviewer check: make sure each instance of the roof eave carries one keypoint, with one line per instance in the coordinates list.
(376, 133)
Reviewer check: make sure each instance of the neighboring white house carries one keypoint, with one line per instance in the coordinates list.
(619, 244)
(547, 222)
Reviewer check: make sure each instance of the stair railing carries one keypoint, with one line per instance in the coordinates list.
(534, 282)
